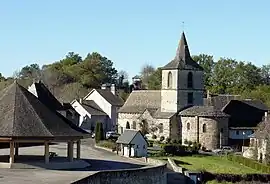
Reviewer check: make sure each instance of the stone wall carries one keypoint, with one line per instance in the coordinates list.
(215, 127)
(123, 118)
(147, 175)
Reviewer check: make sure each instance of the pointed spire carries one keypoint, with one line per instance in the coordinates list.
(182, 52)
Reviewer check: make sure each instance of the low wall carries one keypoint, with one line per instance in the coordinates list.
(147, 175)
(156, 162)
(175, 167)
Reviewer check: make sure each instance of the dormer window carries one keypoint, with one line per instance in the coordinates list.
(169, 82)
(190, 80)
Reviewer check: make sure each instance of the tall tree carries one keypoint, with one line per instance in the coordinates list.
(265, 73)
(146, 71)
(207, 62)
(30, 71)
(155, 78)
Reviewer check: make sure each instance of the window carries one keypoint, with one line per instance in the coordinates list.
(190, 99)
(143, 146)
(190, 80)
(188, 126)
(137, 146)
(160, 128)
(204, 128)
(122, 130)
(252, 131)
(237, 132)
(127, 125)
(169, 82)
(134, 125)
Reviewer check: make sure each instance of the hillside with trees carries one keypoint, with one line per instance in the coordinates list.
(73, 76)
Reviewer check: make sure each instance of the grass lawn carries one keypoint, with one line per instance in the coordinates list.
(213, 164)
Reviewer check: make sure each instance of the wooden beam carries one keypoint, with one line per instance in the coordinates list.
(46, 154)
(11, 154)
(78, 149)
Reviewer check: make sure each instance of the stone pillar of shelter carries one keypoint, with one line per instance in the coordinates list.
(46, 152)
(11, 154)
(78, 149)
(70, 151)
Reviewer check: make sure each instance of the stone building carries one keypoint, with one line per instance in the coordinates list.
(177, 110)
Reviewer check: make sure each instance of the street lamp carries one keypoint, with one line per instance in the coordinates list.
(244, 138)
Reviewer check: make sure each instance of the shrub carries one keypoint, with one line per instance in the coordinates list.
(162, 138)
(150, 143)
(154, 136)
(174, 141)
(107, 144)
(185, 141)
(168, 140)
(99, 135)
(189, 143)
(175, 150)
(179, 141)
(249, 163)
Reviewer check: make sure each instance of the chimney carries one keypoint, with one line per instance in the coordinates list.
(113, 90)
(103, 86)
(80, 100)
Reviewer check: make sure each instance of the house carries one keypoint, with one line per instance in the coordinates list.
(25, 119)
(99, 105)
(133, 144)
(180, 111)
(259, 147)
(47, 98)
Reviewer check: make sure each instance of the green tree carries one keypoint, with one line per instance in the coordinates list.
(99, 134)
(155, 79)
(30, 71)
(265, 74)
(146, 71)
(207, 62)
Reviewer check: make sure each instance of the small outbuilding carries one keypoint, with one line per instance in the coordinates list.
(133, 144)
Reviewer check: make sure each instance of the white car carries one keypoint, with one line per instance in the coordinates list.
(224, 149)
(111, 134)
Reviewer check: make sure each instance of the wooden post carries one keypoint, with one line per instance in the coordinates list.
(117, 147)
(47, 148)
(16, 148)
(129, 150)
(78, 149)
(70, 150)
(11, 155)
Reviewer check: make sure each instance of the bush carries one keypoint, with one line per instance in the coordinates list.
(107, 144)
(174, 141)
(150, 143)
(249, 163)
(162, 138)
(179, 141)
(99, 134)
(185, 141)
(168, 140)
(175, 150)
(154, 136)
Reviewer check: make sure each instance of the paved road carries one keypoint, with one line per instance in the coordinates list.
(99, 160)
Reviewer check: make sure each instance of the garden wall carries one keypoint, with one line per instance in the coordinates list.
(147, 175)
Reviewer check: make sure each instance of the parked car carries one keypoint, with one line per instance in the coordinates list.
(93, 135)
(223, 150)
(111, 135)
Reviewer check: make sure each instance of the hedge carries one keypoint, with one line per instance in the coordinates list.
(249, 163)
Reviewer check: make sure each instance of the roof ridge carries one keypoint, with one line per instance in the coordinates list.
(92, 106)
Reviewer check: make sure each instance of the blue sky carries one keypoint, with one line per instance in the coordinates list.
(131, 33)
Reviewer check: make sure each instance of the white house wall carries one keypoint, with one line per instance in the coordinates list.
(79, 109)
(32, 89)
(101, 102)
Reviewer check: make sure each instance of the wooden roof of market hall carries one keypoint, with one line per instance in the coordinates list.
(23, 115)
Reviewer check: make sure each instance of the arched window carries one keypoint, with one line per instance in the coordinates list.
(204, 128)
(134, 125)
(188, 126)
(169, 82)
(127, 125)
(160, 128)
(237, 132)
(190, 80)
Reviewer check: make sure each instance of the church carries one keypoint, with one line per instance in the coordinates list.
(177, 110)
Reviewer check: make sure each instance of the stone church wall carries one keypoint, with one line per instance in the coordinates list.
(210, 139)
(123, 118)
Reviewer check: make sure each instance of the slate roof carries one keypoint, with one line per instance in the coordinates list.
(110, 97)
(203, 111)
(92, 108)
(220, 101)
(46, 97)
(23, 115)
(182, 59)
(256, 103)
(127, 136)
(139, 100)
